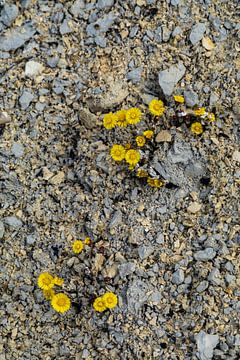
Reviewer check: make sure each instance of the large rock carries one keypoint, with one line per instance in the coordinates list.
(170, 77)
(205, 255)
(197, 33)
(33, 68)
(16, 38)
(205, 344)
(9, 14)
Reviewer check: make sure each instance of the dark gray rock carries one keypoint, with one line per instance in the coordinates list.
(135, 75)
(25, 99)
(205, 255)
(197, 33)
(169, 78)
(191, 98)
(9, 14)
(16, 38)
(178, 277)
(205, 345)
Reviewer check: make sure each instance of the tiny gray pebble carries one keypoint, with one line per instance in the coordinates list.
(26, 99)
(202, 286)
(178, 277)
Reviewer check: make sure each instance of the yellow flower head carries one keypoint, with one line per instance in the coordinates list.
(142, 173)
(133, 116)
(211, 117)
(118, 152)
(48, 294)
(156, 107)
(45, 281)
(132, 157)
(179, 99)
(121, 118)
(200, 111)
(148, 134)
(77, 246)
(87, 241)
(155, 182)
(58, 281)
(197, 128)
(140, 140)
(110, 121)
(127, 146)
(61, 302)
(99, 305)
(110, 300)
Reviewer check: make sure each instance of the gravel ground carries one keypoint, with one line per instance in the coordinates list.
(170, 254)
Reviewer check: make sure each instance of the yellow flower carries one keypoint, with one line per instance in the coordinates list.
(121, 118)
(197, 128)
(61, 302)
(155, 182)
(142, 173)
(200, 111)
(48, 294)
(77, 246)
(87, 241)
(58, 281)
(110, 120)
(156, 107)
(118, 152)
(132, 157)
(99, 305)
(133, 116)
(148, 134)
(127, 146)
(45, 281)
(179, 99)
(140, 140)
(211, 117)
(110, 300)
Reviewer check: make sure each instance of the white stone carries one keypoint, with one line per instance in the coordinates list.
(33, 68)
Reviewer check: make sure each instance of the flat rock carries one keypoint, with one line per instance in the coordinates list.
(14, 39)
(180, 152)
(170, 77)
(77, 7)
(33, 68)
(17, 150)
(136, 295)
(163, 136)
(116, 219)
(135, 75)
(87, 118)
(197, 33)
(13, 222)
(101, 26)
(25, 99)
(205, 345)
(104, 4)
(145, 251)
(9, 14)
(126, 269)
(178, 277)
(205, 255)
(236, 156)
(191, 98)
(194, 207)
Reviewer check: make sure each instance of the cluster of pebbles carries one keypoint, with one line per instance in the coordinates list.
(170, 254)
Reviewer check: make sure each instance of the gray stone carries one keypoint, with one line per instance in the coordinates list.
(16, 38)
(17, 150)
(205, 345)
(26, 99)
(9, 14)
(160, 238)
(176, 31)
(166, 33)
(205, 255)
(126, 269)
(103, 4)
(64, 28)
(33, 68)
(101, 41)
(116, 219)
(30, 239)
(53, 61)
(77, 7)
(2, 229)
(191, 98)
(213, 98)
(135, 75)
(175, 2)
(133, 31)
(169, 78)
(145, 251)
(101, 26)
(178, 277)
(13, 222)
(136, 295)
(195, 169)
(214, 276)
(197, 33)
(88, 119)
(180, 152)
(202, 286)
(230, 278)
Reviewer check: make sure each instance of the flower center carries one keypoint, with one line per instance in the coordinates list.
(61, 302)
(47, 281)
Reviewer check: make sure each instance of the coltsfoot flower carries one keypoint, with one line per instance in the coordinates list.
(211, 117)
(77, 246)
(61, 302)
(118, 152)
(200, 111)
(156, 107)
(58, 281)
(197, 128)
(99, 304)
(148, 134)
(141, 173)
(155, 182)
(140, 140)
(110, 121)
(45, 281)
(87, 241)
(48, 294)
(179, 99)
(121, 118)
(133, 116)
(110, 300)
(132, 157)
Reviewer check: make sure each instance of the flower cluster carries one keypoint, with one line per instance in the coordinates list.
(60, 301)
(78, 245)
(122, 118)
(108, 301)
